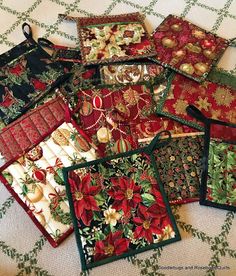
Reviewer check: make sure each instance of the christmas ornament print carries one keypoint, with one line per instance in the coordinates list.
(35, 178)
(186, 48)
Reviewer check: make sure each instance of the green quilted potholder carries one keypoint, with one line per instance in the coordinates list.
(218, 183)
(119, 207)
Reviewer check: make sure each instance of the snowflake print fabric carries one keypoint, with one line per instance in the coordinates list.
(215, 100)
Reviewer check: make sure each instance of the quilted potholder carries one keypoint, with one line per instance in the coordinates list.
(216, 100)
(179, 164)
(218, 183)
(33, 151)
(70, 58)
(113, 38)
(187, 48)
(119, 207)
(115, 117)
(130, 73)
(27, 74)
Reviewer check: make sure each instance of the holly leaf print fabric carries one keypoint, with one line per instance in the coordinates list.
(214, 100)
(27, 74)
(179, 165)
(221, 181)
(113, 38)
(118, 208)
(187, 48)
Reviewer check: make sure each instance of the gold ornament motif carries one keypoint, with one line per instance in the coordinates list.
(123, 109)
(35, 192)
(104, 135)
(179, 54)
(223, 96)
(131, 96)
(61, 137)
(41, 219)
(176, 28)
(203, 103)
(86, 108)
(209, 54)
(187, 68)
(180, 106)
(198, 33)
(215, 114)
(169, 42)
(231, 116)
(200, 68)
(193, 48)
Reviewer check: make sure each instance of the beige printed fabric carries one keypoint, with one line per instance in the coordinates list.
(208, 245)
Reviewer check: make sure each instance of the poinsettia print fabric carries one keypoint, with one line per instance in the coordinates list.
(27, 74)
(221, 187)
(179, 165)
(130, 73)
(37, 181)
(114, 38)
(119, 208)
(187, 48)
(214, 100)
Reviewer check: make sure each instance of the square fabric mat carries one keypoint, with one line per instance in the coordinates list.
(130, 73)
(34, 149)
(27, 74)
(114, 38)
(179, 164)
(187, 48)
(218, 187)
(214, 100)
(119, 207)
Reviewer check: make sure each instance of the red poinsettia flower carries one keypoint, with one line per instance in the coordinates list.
(88, 74)
(113, 245)
(126, 194)
(83, 196)
(148, 222)
(38, 85)
(17, 70)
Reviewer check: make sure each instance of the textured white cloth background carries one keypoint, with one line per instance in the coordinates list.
(208, 234)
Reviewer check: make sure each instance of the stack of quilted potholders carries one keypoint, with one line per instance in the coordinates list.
(131, 124)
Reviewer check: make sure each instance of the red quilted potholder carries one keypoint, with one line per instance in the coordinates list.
(33, 151)
(187, 48)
